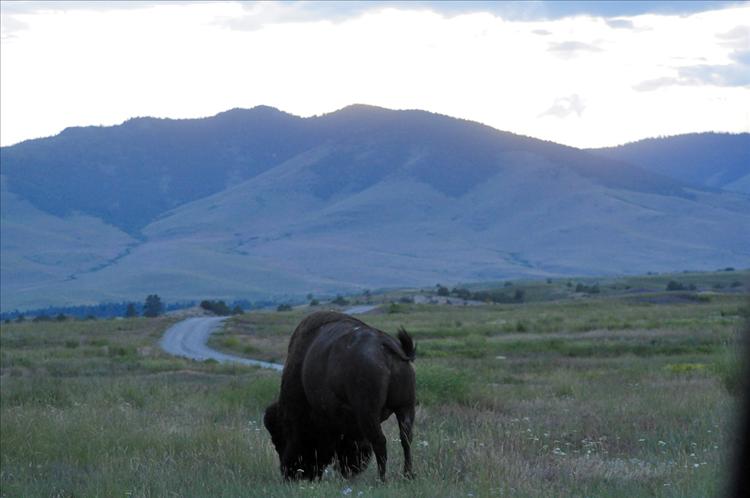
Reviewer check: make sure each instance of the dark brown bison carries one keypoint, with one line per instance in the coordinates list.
(341, 380)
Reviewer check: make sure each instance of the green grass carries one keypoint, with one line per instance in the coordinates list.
(614, 395)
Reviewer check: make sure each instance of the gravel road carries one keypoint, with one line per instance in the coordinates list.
(360, 309)
(189, 339)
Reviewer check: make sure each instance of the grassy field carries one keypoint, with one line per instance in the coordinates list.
(630, 392)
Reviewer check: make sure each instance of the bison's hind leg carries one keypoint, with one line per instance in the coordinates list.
(405, 416)
(352, 456)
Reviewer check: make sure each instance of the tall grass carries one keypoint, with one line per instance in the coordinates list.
(552, 410)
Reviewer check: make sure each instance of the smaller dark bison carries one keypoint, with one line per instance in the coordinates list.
(341, 380)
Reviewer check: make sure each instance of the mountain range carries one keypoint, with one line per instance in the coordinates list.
(709, 160)
(258, 203)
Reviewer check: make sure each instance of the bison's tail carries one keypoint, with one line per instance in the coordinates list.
(407, 344)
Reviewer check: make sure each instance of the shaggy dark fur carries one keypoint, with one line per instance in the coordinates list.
(341, 380)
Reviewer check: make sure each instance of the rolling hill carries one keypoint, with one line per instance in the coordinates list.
(259, 203)
(712, 160)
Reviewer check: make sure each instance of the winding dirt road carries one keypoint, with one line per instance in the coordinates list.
(189, 338)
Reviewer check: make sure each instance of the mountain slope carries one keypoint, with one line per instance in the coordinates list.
(263, 204)
(39, 248)
(714, 160)
(532, 217)
(128, 174)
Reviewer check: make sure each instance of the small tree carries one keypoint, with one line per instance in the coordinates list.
(461, 293)
(394, 308)
(153, 306)
(61, 318)
(675, 286)
(237, 310)
(217, 307)
(340, 300)
(130, 311)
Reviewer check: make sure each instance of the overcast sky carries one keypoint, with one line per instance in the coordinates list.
(579, 73)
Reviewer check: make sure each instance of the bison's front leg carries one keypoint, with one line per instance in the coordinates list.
(353, 454)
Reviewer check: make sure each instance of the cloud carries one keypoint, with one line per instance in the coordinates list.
(565, 106)
(737, 74)
(620, 23)
(737, 38)
(551, 10)
(257, 15)
(10, 26)
(570, 49)
(655, 84)
(721, 75)
(260, 14)
(34, 7)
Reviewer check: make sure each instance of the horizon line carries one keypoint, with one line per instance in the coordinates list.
(368, 106)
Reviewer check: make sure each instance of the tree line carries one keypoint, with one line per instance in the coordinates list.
(485, 296)
(153, 305)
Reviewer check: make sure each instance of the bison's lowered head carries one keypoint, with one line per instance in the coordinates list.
(272, 421)
(296, 462)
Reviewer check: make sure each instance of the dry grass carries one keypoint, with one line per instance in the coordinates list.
(96, 409)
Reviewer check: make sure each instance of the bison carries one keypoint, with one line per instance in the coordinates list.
(341, 380)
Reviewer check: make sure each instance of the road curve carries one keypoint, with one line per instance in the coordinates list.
(189, 338)
(361, 309)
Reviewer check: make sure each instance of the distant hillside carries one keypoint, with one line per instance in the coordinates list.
(714, 160)
(128, 174)
(255, 204)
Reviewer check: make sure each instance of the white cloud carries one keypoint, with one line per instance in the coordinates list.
(569, 49)
(565, 106)
(620, 23)
(83, 66)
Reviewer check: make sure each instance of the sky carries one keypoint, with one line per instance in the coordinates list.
(586, 74)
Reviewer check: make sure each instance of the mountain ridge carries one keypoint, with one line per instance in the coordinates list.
(709, 160)
(253, 203)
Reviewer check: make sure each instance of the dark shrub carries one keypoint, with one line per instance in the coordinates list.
(217, 307)
(340, 301)
(675, 286)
